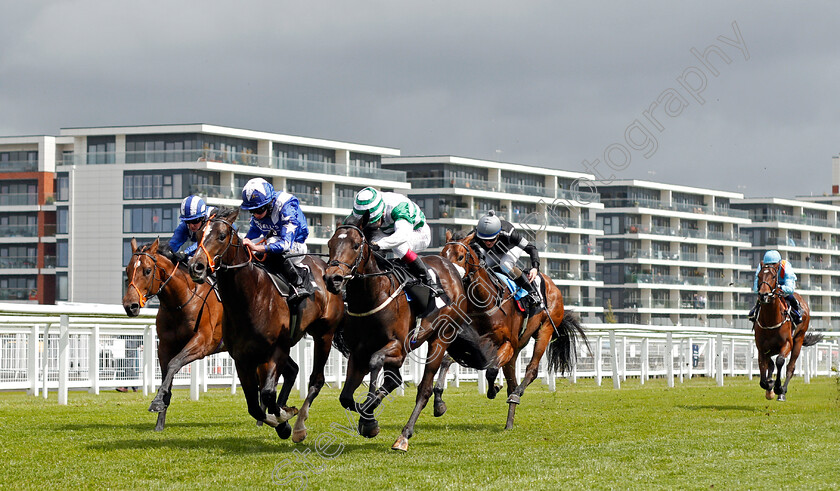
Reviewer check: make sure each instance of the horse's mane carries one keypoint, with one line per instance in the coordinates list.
(164, 250)
(225, 212)
(460, 235)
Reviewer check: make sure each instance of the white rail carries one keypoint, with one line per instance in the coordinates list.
(96, 347)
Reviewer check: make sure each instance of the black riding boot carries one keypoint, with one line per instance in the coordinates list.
(297, 281)
(419, 269)
(752, 315)
(795, 315)
(522, 282)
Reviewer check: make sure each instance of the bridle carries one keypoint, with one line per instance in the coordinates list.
(473, 265)
(473, 269)
(766, 298)
(144, 297)
(352, 269)
(214, 262)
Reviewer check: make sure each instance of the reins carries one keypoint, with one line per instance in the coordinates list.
(774, 293)
(211, 261)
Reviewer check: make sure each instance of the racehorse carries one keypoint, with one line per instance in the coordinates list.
(500, 322)
(188, 322)
(260, 327)
(380, 329)
(775, 333)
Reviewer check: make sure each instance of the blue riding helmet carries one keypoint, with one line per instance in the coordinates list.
(772, 257)
(257, 193)
(192, 208)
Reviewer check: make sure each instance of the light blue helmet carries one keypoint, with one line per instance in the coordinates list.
(257, 193)
(772, 257)
(193, 208)
(488, 227)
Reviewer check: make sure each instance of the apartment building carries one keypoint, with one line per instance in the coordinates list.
(546, 205)
(672, 254)
(807, 234)
(112, 184)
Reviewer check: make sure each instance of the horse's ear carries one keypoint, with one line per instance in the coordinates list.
(133, 245)
(154, 247)
(234, 215)
(469, 237)
(364, 220)
(448, 235)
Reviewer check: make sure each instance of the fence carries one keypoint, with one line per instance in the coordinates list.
(95, 347)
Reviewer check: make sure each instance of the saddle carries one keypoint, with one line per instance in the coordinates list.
(523, 300)
(416, 292)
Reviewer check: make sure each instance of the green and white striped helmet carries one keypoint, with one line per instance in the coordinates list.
(369, 199)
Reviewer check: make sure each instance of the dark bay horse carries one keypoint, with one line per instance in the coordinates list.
(507, 329)
(380, 329)
(258, 323)
(775, 334)
(189, 319)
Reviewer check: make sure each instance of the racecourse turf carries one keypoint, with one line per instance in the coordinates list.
(696, 435)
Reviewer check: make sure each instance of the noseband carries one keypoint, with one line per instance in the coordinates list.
(351, 268)
(214, 262)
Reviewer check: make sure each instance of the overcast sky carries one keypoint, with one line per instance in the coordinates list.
(546, 83)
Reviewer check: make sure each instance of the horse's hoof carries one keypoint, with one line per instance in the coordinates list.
(271, 420)
(259, 423)
(492, 391)
(769, 395)
(440, 409)
(299, 436)
(284, 430)
(513, 399)
(781, 398)
(368, 429)
(287, 413)
(157, 406)
(401, 444)
(509, 425)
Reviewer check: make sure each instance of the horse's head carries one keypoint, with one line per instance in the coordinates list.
(458, 251)
(768, 282)
(349, 252)
(143, 276)
(218, 244)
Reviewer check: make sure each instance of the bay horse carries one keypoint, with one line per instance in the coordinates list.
(379, 331)
(189, 319)
(500, 322)
(775, 333)
(258, 323)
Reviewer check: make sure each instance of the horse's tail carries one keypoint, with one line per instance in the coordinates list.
(338, 338)
(562, 350)
(812, 338)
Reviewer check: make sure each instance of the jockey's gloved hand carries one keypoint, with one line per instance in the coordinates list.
(181, 257)
(374, 246)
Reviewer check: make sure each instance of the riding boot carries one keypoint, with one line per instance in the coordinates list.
(752, 315)
(522, 282)
(419, 269)
(795, 315)
(296, 281)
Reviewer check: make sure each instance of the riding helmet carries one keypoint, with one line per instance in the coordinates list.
(369, 199)
(192, 208)
(488, 226)
(257, 193)
(772, 257)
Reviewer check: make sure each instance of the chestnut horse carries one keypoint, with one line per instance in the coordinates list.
(499, 322)
(189, 319)
(775, 333)
(258, 323)
(380, 329)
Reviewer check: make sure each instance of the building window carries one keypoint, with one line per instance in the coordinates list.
(101, 149)
(150, 219)
(62, 187)
(61, 287)
(18, 193)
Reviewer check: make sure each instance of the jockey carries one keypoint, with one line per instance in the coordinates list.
(277, 217)
(400, 227)
(500, 244)
(786, 280)
(194, 212)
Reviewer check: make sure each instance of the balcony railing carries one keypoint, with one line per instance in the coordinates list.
(505, 187)
(19, 166)
(18, 294)
(320, 231)
(684, 207)
(512, 188)
(573, 249)
(799, 220)
(18, 230)
(582, 301)
(18, 199)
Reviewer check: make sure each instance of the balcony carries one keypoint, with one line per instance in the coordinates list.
(18, 262)
(18, 294)
(18, 230)
(19, 166)
(493, 186)
(798, 220)
(582, 302)
(513, 188)
(320, 231)
(573, 249)
(235, 158)
(683, 207)
(18, 199)
(568, 275)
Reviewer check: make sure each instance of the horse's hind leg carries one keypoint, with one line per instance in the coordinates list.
(530, 374)
(794, 355)
(268, 388)
(290, 372)
(250, 387)
(777, 385)
(492, 389)
(439, 405)
(316, 382)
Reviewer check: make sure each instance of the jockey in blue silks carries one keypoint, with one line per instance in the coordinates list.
(277, 217)
(194, 211)
(787, 283)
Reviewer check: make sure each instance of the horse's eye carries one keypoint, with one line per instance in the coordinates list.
(147, 271)
(222, 236)
(461, 257)
(356, 247)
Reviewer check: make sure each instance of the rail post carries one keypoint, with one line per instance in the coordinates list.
(32, 361)
(669, 358)
(614, 361)
(719, 360)
(63, 358)
(93, 360)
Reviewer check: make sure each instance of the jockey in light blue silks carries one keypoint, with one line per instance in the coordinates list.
(277, 217)
(787, 283)
(193, 214)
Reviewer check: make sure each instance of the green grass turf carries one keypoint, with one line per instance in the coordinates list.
(696, 435)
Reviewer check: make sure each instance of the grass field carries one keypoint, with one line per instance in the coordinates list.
(696, 435)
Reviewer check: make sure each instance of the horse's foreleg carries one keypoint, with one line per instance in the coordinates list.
(794, 355)
(439, 405)
(437, 349)
(531, 372)
(268, 388)
(250, 387)
(492, 389)
(355, 376)
(194, 350)
(290, 372)
(321, 354)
